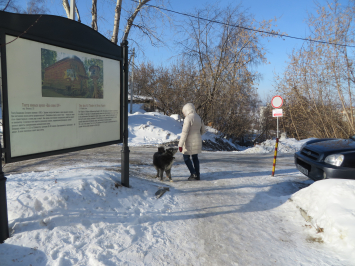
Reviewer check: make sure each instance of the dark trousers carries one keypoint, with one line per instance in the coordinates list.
(194, 169)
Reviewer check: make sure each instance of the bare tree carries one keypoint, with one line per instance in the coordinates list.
(224, 55)
(170, 87)
(66, 7)
(215, 73)
(94, 15)
(141, 16)
(132, 17)
(319, 81)
(36, 7)
(9, 5)
(116, 24)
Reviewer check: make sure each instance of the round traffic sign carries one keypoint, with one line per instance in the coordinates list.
(277, 101)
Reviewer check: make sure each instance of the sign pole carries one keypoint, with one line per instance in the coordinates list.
(275, 155)
(125, 149)
(277, 130)
(132, 78)
(276, 102)
(4, 224)
(276, 145)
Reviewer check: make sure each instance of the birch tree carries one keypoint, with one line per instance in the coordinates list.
(66, 7)
(141, 16)
(116, 24)
(94, 15)
(147, 17)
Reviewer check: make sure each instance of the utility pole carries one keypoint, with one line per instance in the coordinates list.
(132, 76)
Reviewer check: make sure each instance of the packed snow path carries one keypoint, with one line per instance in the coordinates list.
(236, 215)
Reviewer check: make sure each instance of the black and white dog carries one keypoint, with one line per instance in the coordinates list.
(163, 161)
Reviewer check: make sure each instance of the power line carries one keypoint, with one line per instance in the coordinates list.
(246, 28)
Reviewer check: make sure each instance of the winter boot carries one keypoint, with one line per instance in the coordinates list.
(193, 177)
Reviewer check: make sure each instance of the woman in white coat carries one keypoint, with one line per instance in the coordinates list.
(190, 143)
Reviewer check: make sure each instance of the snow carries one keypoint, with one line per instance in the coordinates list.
(236, 215)
(285, 145)
(333, 211)
(152, 128)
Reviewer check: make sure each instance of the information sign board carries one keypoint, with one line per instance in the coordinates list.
(277, 113)
(61, 92)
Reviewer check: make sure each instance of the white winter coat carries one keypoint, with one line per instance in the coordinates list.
(193, 128)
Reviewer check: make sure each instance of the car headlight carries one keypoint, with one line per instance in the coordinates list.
(334, 159)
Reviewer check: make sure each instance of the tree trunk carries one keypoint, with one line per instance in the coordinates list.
(94, 15)
(66, 7)
(116, 25)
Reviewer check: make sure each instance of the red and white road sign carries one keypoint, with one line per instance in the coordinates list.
(277, 101)
(276, 112)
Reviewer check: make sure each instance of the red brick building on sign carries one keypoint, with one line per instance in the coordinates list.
(67, 76)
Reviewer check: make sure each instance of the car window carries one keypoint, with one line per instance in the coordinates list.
(353, 137)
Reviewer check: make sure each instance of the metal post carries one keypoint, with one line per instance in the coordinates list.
(277, 129)
(4, 224)
(125, 149)
(275, 155)
(72, 9)
(132, 71)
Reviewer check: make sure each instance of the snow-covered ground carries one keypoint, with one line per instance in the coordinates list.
(236, 215)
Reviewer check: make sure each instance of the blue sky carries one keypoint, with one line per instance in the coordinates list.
(290, 14)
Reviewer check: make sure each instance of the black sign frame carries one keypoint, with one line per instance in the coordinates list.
(60, 32)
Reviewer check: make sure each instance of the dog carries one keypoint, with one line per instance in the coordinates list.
(163, 161)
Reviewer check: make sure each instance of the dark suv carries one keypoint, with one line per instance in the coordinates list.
(327, 158)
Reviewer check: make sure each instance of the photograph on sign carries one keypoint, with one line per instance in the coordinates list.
(67, 75)
(68, 98)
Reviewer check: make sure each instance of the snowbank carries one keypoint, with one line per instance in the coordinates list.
(77, 216)
(152, 128)
(330, 205)
(285, 146)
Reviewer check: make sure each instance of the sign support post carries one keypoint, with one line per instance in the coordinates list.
(275, 155)
(125, 149)
(277, 127)
(276, 102)
(131, 103)
(4, 224)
